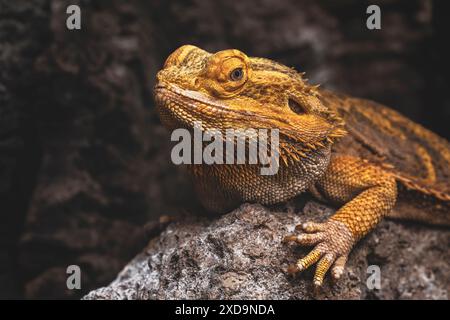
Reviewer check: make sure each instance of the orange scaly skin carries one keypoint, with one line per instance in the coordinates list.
(365, 158)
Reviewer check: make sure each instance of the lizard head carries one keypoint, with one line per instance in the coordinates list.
(228, 89)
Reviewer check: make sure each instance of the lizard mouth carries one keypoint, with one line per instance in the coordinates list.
(187, 106)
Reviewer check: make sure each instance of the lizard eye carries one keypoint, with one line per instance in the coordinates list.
(236, 74)
(227, 72)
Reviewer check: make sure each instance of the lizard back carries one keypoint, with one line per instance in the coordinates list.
(417, 157)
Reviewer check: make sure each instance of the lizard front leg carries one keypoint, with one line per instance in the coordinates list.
(365, 192)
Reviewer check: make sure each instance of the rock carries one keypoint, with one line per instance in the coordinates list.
(240, 256)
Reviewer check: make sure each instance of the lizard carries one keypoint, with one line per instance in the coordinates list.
(358, 155)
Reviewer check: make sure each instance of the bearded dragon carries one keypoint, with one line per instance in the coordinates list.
(360, 156)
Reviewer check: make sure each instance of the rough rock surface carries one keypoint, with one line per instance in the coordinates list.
(240, 256)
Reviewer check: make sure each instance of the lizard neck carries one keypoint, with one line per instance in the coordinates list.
(234, 184)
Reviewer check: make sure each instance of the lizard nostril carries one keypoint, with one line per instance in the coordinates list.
(196, 83)
(159, 76)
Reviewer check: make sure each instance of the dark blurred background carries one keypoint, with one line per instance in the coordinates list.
(84, 162)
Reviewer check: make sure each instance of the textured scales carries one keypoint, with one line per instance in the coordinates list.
(365, 158)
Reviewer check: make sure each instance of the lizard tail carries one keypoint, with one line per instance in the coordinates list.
(420, 202)
(414, 184)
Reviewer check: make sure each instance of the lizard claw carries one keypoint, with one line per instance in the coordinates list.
(333, 242)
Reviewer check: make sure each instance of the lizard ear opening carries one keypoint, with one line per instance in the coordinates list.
(296, 107)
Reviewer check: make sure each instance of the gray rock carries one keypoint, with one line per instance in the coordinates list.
(241, 256)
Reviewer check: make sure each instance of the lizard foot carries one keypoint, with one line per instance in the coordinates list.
(333, 242)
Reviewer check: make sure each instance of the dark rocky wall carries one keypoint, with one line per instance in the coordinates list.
(24, 34)
(83, 159)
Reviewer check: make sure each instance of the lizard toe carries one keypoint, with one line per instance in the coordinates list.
(306, 262)
(310, 227)
(333, 242)
(338, 267)
(322, 267)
